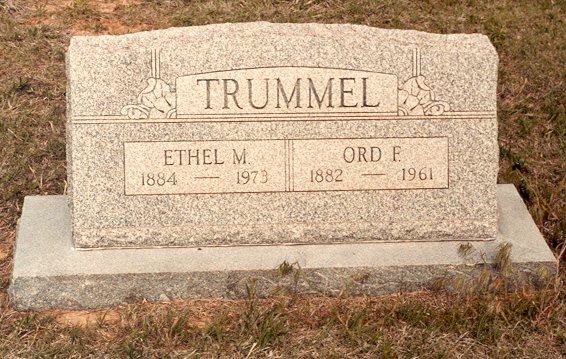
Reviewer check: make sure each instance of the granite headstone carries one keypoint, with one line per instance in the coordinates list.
(281, 134)
(205, 157)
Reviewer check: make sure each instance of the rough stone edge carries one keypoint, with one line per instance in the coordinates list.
(407, 37)
(95, 291)
(87, 289)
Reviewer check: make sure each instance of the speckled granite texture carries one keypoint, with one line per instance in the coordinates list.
(124, 91)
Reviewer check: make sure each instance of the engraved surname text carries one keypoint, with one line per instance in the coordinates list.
(274, 91)
(231, 93)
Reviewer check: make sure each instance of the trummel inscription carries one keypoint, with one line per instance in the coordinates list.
(287, 165)
(286, 89)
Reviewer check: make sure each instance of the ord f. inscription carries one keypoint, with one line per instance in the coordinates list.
(285, 165)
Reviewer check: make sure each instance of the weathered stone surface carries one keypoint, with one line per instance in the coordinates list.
(388, 135)
(50, 273)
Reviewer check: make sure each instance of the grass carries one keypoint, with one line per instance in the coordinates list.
(409, 325)
(530, 37)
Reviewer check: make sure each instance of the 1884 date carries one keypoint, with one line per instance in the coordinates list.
(159, 179)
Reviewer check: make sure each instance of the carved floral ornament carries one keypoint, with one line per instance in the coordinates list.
(157, 100)
(415, 98)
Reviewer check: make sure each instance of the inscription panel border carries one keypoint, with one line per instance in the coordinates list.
(289, 168)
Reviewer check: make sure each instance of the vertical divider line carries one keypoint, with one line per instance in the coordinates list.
(292, 164)
(153, 63)
(414, 68)
(290, 156)
(448, 162)
(418, 61)
(158, 64)
(286, 165)
(124, 163)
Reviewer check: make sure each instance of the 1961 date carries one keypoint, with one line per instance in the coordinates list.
(411, 174)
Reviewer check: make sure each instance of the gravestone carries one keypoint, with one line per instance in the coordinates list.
(201, 158)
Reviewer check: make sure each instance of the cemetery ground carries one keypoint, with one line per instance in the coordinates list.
(483, 320)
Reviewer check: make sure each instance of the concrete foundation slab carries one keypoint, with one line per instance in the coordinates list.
(49, 273)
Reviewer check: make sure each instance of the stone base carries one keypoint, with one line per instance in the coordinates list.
(49, 273)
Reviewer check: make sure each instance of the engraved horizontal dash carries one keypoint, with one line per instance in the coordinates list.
(207, 177)
(373, 174)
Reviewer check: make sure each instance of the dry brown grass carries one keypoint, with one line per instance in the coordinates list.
(530, 37)
(432, 325)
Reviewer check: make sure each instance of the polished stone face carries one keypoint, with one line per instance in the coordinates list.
(265, 133)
